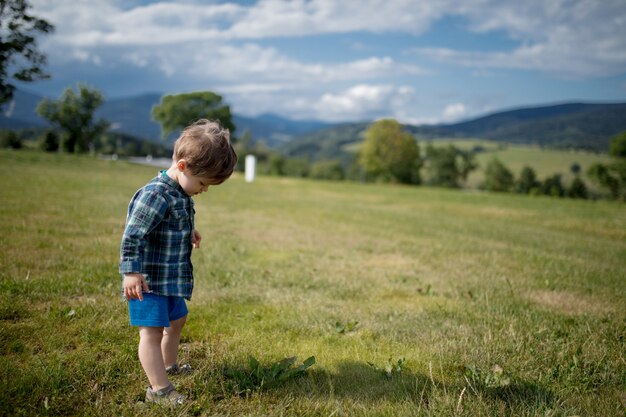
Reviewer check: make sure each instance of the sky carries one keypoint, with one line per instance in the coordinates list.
(434, 61)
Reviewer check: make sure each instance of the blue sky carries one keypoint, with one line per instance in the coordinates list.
(343, 60)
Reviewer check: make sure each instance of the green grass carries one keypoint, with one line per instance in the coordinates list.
(545, 162)
(499, 304)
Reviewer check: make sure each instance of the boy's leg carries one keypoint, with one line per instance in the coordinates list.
(171, 341)
(151, 357)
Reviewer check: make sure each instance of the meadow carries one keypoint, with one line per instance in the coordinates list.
(414, 301)
(545, 162)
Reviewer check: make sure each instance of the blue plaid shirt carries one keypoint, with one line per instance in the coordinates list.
(157, 240)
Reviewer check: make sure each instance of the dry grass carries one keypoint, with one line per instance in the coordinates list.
(569, 303)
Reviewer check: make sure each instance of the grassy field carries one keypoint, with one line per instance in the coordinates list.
(414, 301)
(545, 162)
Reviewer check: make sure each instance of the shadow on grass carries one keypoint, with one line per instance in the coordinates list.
(521, 394)
(498, 386)
(359, 382)
(355, 381)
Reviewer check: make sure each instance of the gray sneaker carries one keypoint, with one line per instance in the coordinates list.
(167, 395)
(179, 370)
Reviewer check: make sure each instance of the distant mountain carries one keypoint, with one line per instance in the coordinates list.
(132, 116)
(579, 125)
(325, 144)
(575, 125)
(274, 130)
(564, 125)
(20, 112)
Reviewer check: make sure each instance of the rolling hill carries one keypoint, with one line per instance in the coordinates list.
(571, 125)
(566, 125)
(132, 116)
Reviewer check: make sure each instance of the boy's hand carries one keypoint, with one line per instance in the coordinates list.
(196, 238)
(134, 285)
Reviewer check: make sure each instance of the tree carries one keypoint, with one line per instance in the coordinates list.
(19, 57)
(498, 177)
(74, 115)
(449, 166)
(327, 170)
(553, 186)
(442, 166)
(389, 154)
(468, 163)
(49, 141)
(603, 175)
(243, 147)
(10, 139)
(612, 175)
(527, 181)
(617, 148)
(175, 112)
(276, 165)
(577, 189)
(296, 167)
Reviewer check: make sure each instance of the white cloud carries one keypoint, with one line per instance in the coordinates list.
(236, 64)
(270, 18)
(230, 47)
(136, 59)
(85, 56)
(101, 22)
(568, 39)
(454, 112)
(580, 38)
(363, 101)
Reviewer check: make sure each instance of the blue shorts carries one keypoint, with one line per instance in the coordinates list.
(156, 310)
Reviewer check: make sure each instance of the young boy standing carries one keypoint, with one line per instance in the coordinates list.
(156, 249)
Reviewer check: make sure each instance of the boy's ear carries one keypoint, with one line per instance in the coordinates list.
(181, 164)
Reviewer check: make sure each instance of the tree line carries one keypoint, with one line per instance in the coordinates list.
(75, 129)
(389, 154)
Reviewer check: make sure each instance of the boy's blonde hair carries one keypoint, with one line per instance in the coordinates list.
(205, 145)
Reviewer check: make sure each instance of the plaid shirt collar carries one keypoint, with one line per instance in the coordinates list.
(166, 179)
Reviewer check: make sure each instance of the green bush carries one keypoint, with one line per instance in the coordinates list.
(327, 170)
(498, 177)
(527, 181)
(49, 141)
(296, 167)
(10, 139)
(578, 189)
(553, 186)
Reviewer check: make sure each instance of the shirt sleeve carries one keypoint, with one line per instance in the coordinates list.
(146, 211)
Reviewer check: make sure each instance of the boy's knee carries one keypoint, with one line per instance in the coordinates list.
(175, 328)
(151, 333)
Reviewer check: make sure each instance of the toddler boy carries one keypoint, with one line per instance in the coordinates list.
(156, 249)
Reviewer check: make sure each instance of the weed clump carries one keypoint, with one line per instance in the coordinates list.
(257, 377)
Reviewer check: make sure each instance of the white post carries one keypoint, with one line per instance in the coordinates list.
(250, 167)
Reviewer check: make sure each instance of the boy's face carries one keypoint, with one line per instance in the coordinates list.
(192, 184)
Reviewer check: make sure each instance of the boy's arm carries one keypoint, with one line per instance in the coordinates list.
(196, 239)
(147, 211)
